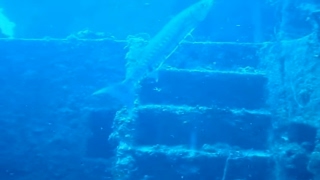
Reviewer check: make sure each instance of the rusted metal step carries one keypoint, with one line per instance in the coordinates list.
(196, 87)
(194, 126)
(176, 162)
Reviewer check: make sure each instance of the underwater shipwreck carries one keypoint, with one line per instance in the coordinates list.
(218, 110)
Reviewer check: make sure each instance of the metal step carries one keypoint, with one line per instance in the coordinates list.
(200, 87)
(195, 126)
(220, 163)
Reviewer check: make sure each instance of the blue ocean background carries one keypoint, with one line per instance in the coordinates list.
(238, 99)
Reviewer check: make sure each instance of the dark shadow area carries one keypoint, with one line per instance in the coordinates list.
(100, 123)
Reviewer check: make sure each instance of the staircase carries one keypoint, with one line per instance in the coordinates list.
(206, 118)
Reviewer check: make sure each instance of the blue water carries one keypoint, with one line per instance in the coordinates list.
(237, 99)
